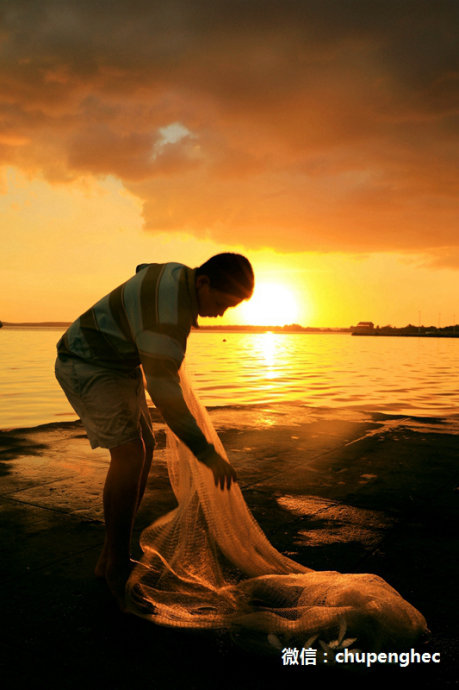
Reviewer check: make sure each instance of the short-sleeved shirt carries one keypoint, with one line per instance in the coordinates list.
(145, 321)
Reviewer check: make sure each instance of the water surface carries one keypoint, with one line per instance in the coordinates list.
(408, 376)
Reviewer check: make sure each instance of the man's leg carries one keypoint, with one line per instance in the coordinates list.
(149, 443)
(121, 499)
(100, 396)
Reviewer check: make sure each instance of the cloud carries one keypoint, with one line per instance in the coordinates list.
(443, 257)
(308, 125)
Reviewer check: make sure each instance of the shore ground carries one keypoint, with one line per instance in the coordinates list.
(377, 496)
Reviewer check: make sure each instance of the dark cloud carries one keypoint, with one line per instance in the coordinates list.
(311, 125)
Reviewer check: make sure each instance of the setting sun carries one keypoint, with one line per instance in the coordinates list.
(272, 304)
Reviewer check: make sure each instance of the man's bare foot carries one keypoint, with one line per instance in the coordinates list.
(116, 578)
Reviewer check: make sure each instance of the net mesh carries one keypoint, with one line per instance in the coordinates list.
(208, 564)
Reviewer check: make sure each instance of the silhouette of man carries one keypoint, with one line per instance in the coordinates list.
(143, 322)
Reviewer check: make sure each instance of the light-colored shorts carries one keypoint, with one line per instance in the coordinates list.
(110, 404)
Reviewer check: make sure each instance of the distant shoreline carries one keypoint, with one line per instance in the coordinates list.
(407, 332)
(408, 335)
(294, 328)
(37, 324)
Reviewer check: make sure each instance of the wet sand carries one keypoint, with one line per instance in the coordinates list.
(377, 495)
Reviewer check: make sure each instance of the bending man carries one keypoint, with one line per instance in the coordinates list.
(145, 321)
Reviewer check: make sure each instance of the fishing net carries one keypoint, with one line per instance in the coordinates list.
(208, 564)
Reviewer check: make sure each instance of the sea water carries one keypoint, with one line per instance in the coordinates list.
(333, 372)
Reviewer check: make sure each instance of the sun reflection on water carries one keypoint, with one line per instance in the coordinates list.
(271, 349)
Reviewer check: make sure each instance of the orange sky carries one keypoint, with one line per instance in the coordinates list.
(319, 138)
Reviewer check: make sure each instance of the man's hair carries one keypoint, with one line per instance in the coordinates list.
(229, 273)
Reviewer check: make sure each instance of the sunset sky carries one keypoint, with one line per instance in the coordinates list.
(319, 138)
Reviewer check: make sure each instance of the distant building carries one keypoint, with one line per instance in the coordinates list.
(363, 328)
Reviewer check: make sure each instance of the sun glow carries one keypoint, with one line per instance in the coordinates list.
(272, 304)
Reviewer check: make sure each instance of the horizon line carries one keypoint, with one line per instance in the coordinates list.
(285, 327)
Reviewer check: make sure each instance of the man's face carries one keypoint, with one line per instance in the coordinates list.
(212, 302)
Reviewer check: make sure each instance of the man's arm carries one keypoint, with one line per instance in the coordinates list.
(163, 385)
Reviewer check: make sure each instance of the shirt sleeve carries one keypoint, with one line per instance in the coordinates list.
(161, 356)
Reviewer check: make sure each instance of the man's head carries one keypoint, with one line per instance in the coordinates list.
(223, 281)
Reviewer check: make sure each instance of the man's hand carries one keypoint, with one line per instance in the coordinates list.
(224, 473)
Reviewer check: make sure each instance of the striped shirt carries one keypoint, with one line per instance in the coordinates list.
(146, 321)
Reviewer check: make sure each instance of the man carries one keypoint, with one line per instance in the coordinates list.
(145, 321)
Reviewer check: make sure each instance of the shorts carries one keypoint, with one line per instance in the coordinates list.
(111, 404)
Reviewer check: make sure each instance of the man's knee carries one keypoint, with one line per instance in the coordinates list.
(131, 451)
